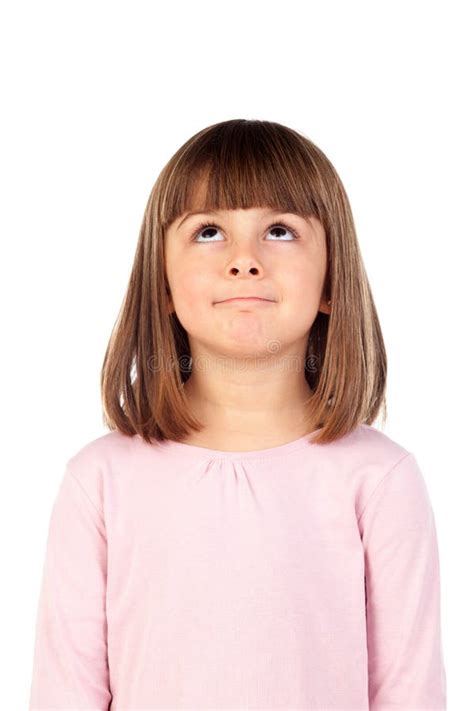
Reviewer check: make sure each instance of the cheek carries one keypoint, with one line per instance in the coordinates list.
(192, 288)
(303, 284)
(301, 294)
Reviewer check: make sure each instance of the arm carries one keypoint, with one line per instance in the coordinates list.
(402, 579)
(70, 666)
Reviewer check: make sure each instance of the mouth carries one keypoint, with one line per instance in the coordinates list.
(245, 299)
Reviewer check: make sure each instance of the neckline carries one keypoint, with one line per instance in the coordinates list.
(269, 452)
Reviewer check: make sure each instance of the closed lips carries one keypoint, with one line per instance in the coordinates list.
(245, 298)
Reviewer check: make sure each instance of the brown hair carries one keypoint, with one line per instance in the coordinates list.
(242, 164)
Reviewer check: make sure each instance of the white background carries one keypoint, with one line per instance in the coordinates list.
(97, 96)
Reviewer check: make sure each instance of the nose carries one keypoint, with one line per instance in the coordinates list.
(245, 265)
(244, 260)
(238, 270)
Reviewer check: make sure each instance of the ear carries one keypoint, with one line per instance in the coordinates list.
(325, 305)
(169, 299)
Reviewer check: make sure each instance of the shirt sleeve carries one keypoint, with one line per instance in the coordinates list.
(402, 581)
(70, 666)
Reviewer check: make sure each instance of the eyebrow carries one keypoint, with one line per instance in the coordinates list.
(214, 212)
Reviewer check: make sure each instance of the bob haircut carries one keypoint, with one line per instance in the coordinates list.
(230, 165)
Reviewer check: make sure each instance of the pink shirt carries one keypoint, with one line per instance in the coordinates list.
(297, 577)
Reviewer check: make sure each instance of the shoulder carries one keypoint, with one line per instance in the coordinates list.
(98, 459)
(367, 445)
(365, 456)
(104, 450)
(379, 463)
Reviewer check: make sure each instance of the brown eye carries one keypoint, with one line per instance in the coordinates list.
(282, 228)
(208, 229)
(279, 229)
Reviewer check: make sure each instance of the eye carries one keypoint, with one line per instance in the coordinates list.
(206, 227)
(285, 228)
(210, 228)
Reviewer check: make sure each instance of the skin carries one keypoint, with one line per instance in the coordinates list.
(247, 385)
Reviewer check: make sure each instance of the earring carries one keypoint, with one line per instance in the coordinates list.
(329, 301)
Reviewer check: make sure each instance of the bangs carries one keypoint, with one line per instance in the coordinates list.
(242, 164)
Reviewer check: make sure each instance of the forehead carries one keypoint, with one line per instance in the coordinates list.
(250, 211)
(218, 192)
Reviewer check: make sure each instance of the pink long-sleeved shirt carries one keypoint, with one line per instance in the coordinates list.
(297, 577)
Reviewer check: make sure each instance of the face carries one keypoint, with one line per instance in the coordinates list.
(278, 257)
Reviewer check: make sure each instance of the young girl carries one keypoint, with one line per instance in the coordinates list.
(243, 537)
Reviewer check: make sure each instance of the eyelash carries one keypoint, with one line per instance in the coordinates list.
(203, 225)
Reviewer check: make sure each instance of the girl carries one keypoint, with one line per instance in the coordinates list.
(243, 537)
